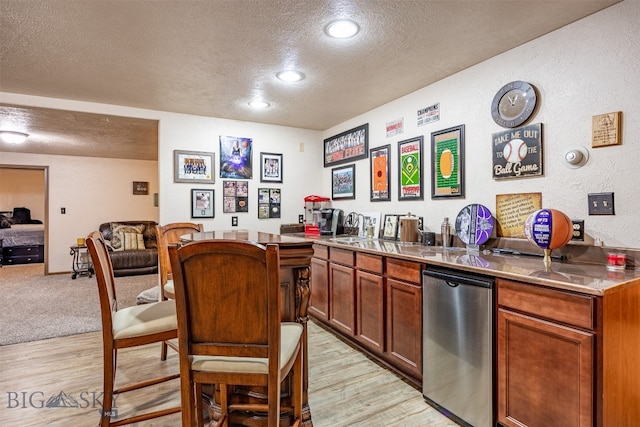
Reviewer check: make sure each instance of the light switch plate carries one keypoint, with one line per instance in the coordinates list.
(234, 221)
(601, 204)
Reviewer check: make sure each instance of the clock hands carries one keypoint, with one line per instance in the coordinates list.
(512, 101)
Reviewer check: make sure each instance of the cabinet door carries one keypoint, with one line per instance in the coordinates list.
(545, 373)
(319, 299)
(404, 326)
(369, 310)
(342, 298)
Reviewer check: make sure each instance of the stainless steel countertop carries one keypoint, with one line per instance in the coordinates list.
(588, 279)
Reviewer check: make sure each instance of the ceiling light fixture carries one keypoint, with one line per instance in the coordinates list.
(258, 104)
(342, 29)
(12, 137)
(290, 76)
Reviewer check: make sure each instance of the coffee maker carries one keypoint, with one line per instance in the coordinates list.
(331, 222)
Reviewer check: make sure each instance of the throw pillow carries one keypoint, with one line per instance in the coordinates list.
(5, 222)
(130, 241)
(117, 228)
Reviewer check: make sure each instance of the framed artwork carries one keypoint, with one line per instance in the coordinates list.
(202, 203)
(269, 202)
(347, 146)
(390, 227)
(343, 182)
(410, 169)
(380, 173)
(270, 167)
(517, 152)
(236, 196)
(447, 162)
(193, 166)
(235, 157)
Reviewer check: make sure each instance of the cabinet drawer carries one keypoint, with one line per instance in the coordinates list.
(404, 270)
(342, 256)
(32, 251)
(321, 251)
(369, 262)
(565, 307)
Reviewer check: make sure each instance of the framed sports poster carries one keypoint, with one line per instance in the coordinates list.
(410, 169)
(235, 157)
(447, 162)
(380, 173)
(269, 203)
(347, 146)
(236, 196)
(343, 182)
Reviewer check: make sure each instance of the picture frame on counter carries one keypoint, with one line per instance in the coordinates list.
(390, 227)
(193, 166)
(347, 146)
(447, 165)
(202, 203)
(343, 182)
(410, 165)
(270, 167)
(380, 177)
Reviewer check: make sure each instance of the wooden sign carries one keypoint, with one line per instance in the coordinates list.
(512, 211)
(605, 129)
(140, 188)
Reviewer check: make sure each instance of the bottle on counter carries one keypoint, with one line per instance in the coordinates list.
(445, 231)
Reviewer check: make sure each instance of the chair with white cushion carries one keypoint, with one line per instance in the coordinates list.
(229, 329)
(127, 327)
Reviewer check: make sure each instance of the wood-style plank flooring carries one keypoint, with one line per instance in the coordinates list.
(345, 387)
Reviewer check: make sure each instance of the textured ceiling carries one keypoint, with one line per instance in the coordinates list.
(210, 58)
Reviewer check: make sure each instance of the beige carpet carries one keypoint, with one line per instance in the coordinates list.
(34, 306)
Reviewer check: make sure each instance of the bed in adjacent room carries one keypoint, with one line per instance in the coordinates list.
(21, 238)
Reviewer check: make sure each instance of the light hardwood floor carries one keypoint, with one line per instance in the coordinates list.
(345, 387)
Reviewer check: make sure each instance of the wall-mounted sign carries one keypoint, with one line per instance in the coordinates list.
(605, 130)
(512, 210)
(395, 127)
(517, 153)
(429, 114)
(140, 188)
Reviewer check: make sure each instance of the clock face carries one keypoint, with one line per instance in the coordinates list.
(513, 104)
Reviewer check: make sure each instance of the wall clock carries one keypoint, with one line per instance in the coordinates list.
(514, 104)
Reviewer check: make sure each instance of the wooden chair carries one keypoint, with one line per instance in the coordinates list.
(167, 235)
(128, 327)
(229, 327)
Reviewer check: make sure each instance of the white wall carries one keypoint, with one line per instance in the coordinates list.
(587, 68)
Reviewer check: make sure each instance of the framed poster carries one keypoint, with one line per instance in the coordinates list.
(235, 157)
(270, 167)
(347, 146)
(269, 202)
(380, 174)
(193, 166)
(343, 182)
(447, 162)
(410, 169)
(236, 196)
(202, 203)
(517, 153)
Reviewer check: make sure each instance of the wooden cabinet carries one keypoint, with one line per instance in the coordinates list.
(404, 316)
(546, 356)
(319, 299)
(370, 298)
(342, 290)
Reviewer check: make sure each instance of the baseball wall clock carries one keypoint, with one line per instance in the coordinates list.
(514, 104)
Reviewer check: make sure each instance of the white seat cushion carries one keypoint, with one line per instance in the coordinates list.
(290, 334)
(168, 287)
(140, 320)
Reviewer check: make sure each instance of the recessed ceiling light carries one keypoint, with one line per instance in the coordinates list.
(258, 104)
(290, 76)
(342, 29)
(13, 137)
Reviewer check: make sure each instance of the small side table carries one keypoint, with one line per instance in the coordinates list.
(81, 264)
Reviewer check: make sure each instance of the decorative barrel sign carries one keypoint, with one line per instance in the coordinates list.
(548, 229)
(474, 224)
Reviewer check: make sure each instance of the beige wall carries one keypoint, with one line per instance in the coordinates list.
(23, 188)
